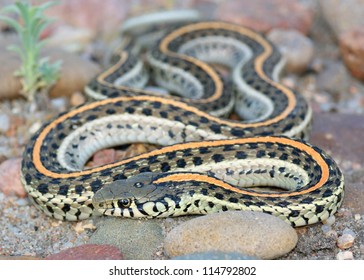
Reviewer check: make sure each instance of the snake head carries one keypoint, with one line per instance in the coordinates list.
(129, 197)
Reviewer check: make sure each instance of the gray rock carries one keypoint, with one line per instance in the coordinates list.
(249, 233)
(136, 239)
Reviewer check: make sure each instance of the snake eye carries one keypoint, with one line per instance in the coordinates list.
(124, 203)
(138, 184)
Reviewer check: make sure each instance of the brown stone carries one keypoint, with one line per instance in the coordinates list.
(263, 15)
(352, 51)
(250, 233)
(77, 99)
(75, 74)
(88, 252)
(296, 48)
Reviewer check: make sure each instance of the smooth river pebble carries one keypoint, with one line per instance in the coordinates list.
(250, 233)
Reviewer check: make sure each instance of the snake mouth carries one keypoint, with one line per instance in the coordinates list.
(120, 207)
(132, 208)
(128, 207)
(107, 205)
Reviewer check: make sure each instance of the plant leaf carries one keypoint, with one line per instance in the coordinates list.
(36, 74)
(24, 12)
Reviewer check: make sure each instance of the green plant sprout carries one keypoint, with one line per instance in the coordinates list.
(37, 74)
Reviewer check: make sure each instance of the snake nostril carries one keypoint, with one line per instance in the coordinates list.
(138, 185)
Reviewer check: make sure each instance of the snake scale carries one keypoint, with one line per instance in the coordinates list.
(207, 163)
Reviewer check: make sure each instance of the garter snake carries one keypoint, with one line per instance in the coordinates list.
(209, 163)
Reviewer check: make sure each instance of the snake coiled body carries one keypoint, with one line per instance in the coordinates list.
(209, 163)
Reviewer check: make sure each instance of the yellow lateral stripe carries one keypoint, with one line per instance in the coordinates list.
(101, 78)
(186, 177)
(191, 145)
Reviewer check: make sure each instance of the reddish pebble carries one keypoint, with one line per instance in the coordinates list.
(103, 157)
(10, 183)
(89, 252)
